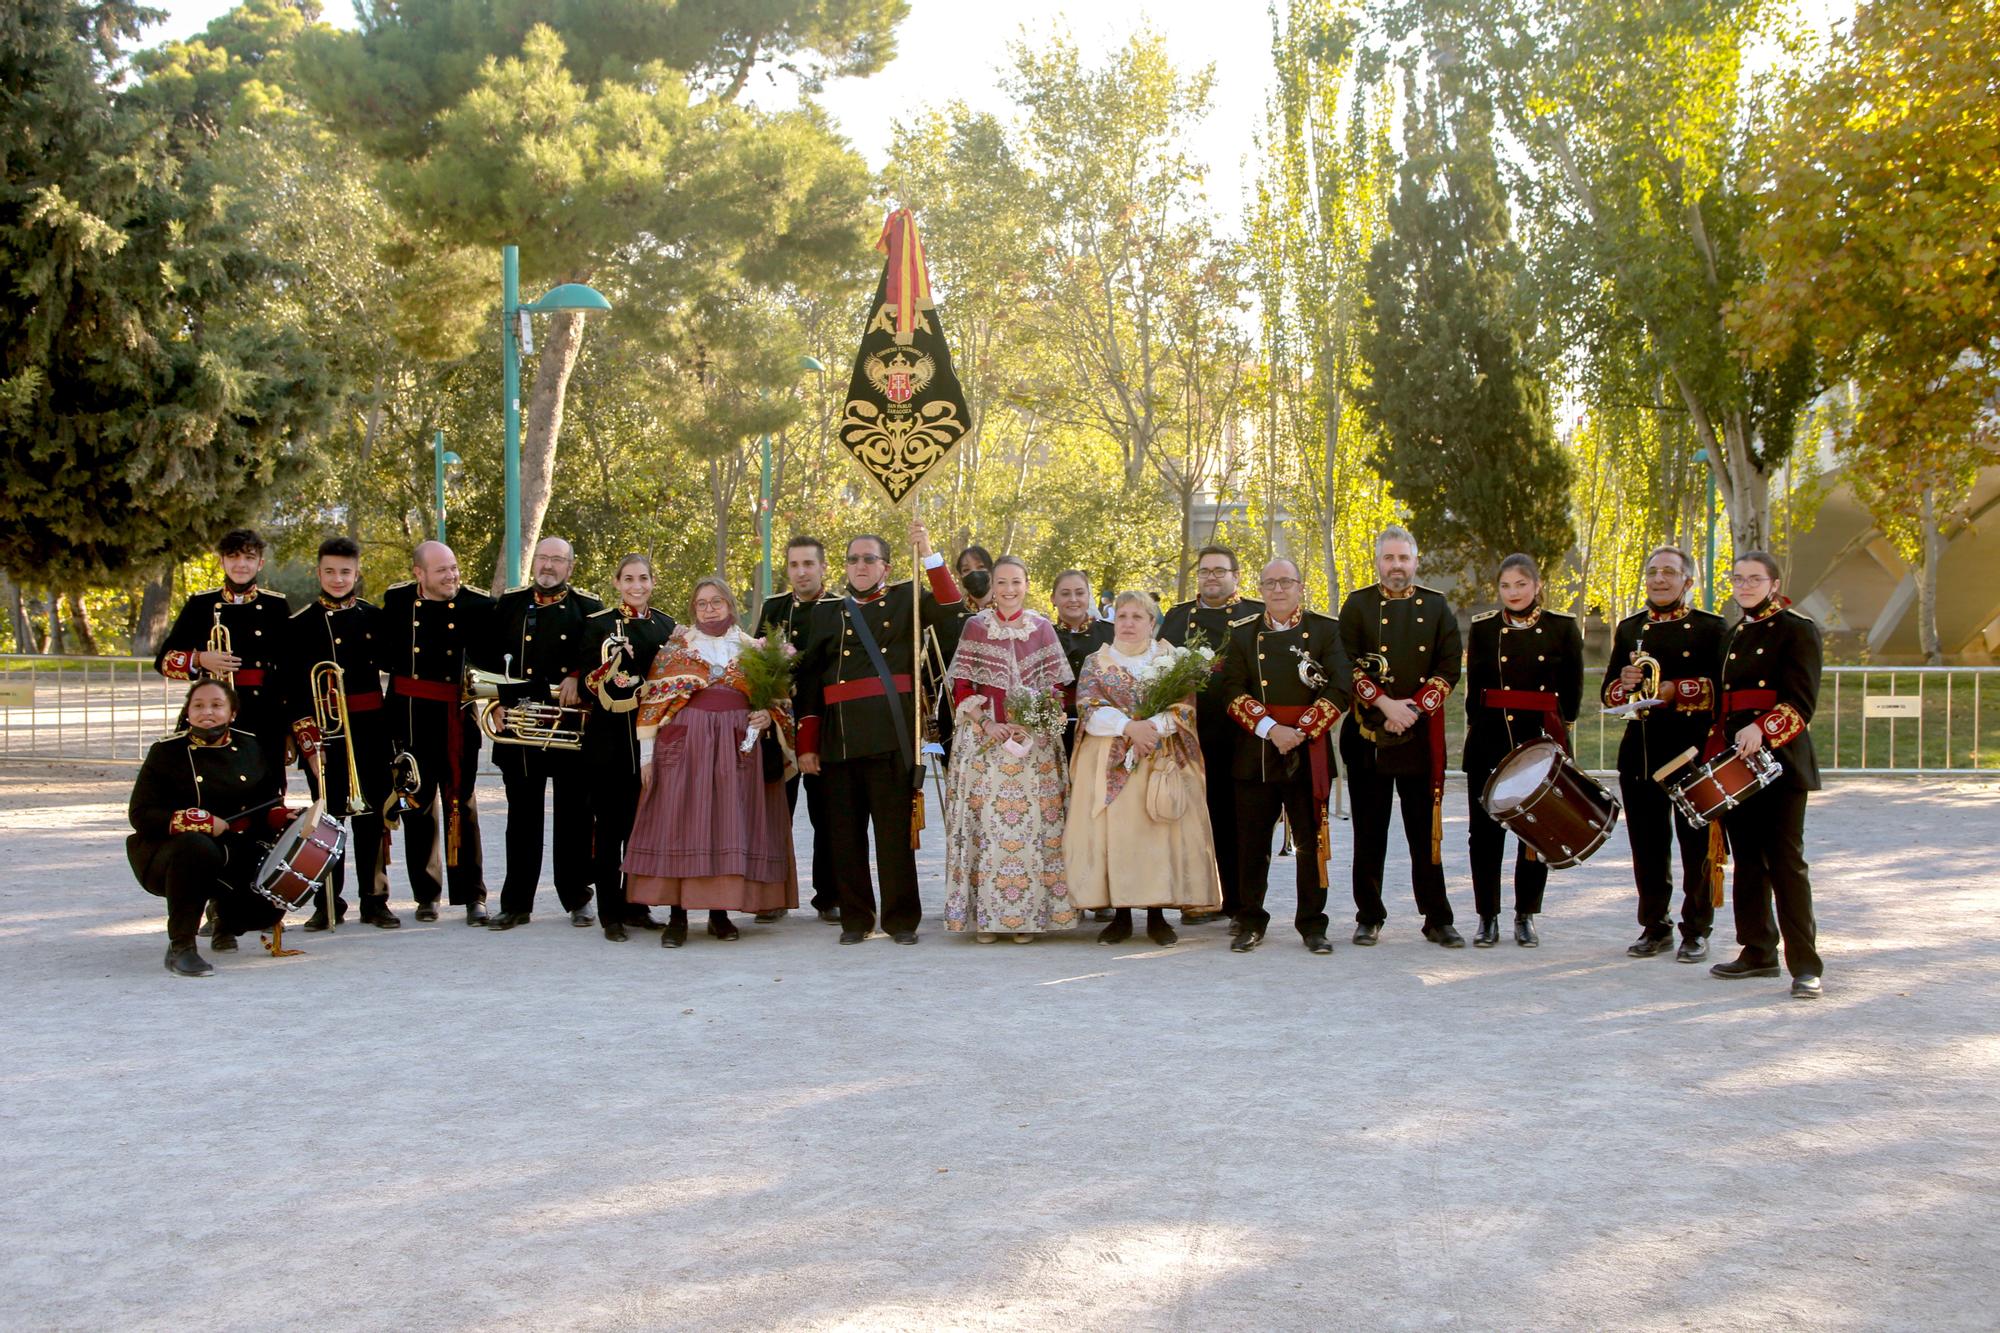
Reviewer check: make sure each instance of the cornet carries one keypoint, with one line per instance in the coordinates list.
(405, 778)
(1646, 694)
(218, 642)
(329, 691)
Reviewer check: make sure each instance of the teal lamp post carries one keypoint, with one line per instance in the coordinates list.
(569, 297)
(764, 499)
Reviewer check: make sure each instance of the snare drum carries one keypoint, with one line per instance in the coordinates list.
(302, 860)
(1720, 785)
(1540, 796)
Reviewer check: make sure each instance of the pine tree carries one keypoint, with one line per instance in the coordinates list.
(1467, 444)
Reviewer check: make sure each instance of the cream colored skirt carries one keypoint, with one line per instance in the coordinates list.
(1121, 855)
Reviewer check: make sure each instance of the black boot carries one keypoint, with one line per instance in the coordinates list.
(615, 931)
(1120, 928)
(676, 933)
(222, 942)
(1157, 929)
(1488, 933)
(183, 961)
(1524, 931)
(720, 926)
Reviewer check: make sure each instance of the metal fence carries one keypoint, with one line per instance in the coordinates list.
(1943, 720)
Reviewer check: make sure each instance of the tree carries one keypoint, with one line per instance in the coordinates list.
(1466, 441)
(145, 405)
(613, 152)
(1880, 237)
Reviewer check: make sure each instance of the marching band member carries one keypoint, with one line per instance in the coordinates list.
(634, 633)
(712, 830)
(1216, 608)
(1770, 686)
(200, 795)
(1524, 678)
(1279, 687)
(539, 637)
(1402, 642)
(1686, 643)
(252, 621)
(789, 615)
(343, 629)
(426, 669)
(856, 714)
(1080, 631)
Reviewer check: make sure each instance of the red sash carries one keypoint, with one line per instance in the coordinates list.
(1532, 701)
(847, 691)
(250, 678)
(435, 691)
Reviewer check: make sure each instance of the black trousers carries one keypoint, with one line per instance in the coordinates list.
(190, 870)
(528, 775)
(1258, 805)
(614, 804)
(1487, 843)
(826, 879)
(364, 834)
(423, 849)
(1654, 824)
(861, 793)
(1373, 794)
(1218, 752)
(1767, 836)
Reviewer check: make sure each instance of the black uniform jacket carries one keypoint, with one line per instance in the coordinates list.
(791, 617)
(1518, 670)
(1297, 674)
(1687, 643)
(1770, 677)
(540, 641)
(1406, 648)
(1078, 644)
(611, 731)
(424, 649)
(1211, 709)
(256, 623)
(188, 787)
(842, 709)
(354, 634)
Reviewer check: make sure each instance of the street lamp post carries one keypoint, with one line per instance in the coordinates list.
(441, 459)
(764, 499)
(1708, 565)
(569, 297)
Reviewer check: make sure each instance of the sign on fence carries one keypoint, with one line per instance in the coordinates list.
(17, 694)
(1892, 705)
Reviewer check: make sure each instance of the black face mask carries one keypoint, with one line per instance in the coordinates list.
(978, 582)
(208, 735)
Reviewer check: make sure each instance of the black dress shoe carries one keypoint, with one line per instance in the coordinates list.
(830, 915)
(508, 920)
(1368, 933)
(1739, 966)
(1806, 986)
(1248, 940)
(1524, 931)
(1102, 914)
(222, 943)
(1118, 931)
(615, 932)
(427, 911)
(207, 922)
(766, 918)
(581, 917)
(1446, 936)
(853, 936)
(185, 962)
(723, 928)
(675, 934)
(1158, 931)
(1649, 944)
(318, 919)
(378, 915)
(642, 919)
(1319, 944)
(1694, 949)
(904, 936)
(475, 914)
(1235, 927)
(1488, 933)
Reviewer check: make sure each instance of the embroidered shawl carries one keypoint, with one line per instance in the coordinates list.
(1109, 681)
(1022, 654)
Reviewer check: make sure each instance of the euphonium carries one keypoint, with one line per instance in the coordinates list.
(543, 724)
(218, 642)
(329, 691)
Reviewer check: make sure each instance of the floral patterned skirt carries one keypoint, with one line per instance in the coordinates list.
(1003, 837)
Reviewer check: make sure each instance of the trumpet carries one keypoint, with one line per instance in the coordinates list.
(329, 691)
(218, 642)
(1648, 687)
(543, 724)
(404, 778)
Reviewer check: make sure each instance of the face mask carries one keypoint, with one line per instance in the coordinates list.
(714, 627)
(208, 735)
(978, 582)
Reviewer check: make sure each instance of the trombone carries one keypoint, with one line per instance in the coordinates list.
(329, 691)
(218, 642)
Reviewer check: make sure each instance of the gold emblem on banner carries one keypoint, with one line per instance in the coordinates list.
(899, 447)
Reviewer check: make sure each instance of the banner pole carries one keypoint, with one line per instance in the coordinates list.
(916, 682)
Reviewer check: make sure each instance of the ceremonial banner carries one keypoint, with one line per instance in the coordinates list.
(905, 409)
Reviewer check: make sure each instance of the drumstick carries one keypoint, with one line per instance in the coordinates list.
(1660, 773)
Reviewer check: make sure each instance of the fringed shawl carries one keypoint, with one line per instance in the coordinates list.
(1021, 654)
(1107, 682)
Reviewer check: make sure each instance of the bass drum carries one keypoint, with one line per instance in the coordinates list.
(301, 861)
(1540, 796)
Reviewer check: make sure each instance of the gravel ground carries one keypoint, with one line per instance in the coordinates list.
(441, 1128)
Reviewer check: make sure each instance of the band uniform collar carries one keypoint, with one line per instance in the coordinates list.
(1078, 628)
(1405, 594)
(627, 613)
(230, 598)
(1223, 605)
(337, 603)
(874, 594)
(1292, 623)
(551, 597)
(1524, 620)
(198, 743)
(1767, 608)
(1655, 616)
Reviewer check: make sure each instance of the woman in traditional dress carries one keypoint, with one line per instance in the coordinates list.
(1006, 791)
(1137, 836)
(713, 830)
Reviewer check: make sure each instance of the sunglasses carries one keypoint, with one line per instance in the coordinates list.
(864, 559)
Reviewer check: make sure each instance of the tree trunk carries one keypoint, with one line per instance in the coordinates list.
(359, 478)
(56, 646)
(1187, 531)
(540, 432)
(86, 638)
(1932, 550)
(155, 607)
(25, 638)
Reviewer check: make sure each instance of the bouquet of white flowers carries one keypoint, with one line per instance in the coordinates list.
(1172, 677)
(1039, 711)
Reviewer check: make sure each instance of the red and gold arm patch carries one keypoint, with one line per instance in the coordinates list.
(1247, 712)
(1365, 689)
(1780, 725)
(1432, 696)
(305, 735)
(194, 819)
(1317, 720)
(178, 665)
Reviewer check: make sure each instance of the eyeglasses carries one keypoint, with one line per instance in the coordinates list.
(1277, 583)
(1748, 580)
(864, 559)
(1214, 571)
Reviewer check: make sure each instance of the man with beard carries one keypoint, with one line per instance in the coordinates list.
(1687, 645)
(1215, 611)
(342, 628)
(855, 716)
(1402, 644)
(430, 623)
(539, 636)
(789, 615)
(254, 619)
